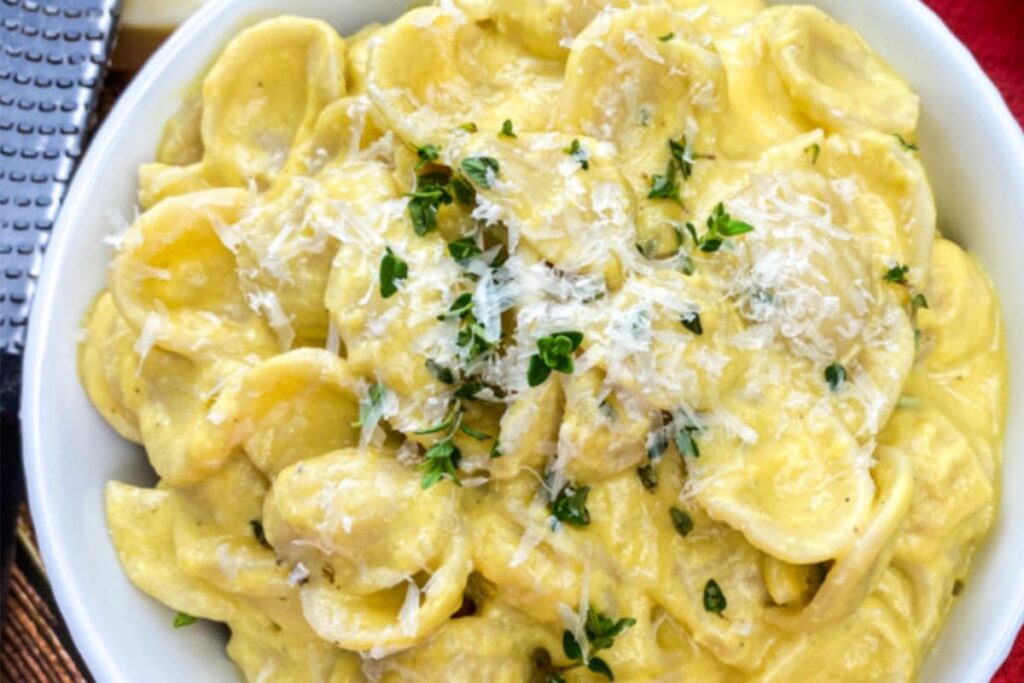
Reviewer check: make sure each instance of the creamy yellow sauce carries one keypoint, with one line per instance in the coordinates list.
(440, 385)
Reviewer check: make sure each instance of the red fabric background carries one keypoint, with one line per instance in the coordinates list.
(994, 31)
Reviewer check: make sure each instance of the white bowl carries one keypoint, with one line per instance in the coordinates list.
(974, 151)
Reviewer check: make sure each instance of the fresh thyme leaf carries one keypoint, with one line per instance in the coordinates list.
(570, 506)
(692, 323)
(463, 190)
(495, 451)
(428, 154)
(599, 666)
(686, 443)
(424, 203)
(441, 373)
(602, 631)
(537, 372)
(441, 461)
(555, 352)
(392, 271)
(648, 476)
(897, 274)
(576, 151)
(907, 146)
(463, 249)
(815, 151)
(720, 225)
(714, 598)
(468, 127)
(835, 375)
(181, 619)
(506, 130)
(682, 521)
(479, 170)
(919, 301)
(469, 390)
(469, 431)
(682, 159)
(667, 37)
(257, 531)
(461, 307)
(665, 186)
(371, 407)
(570, 647)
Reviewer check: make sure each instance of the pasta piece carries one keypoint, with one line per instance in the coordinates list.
(108, 365)
(431, 71)
(496, 644)
(626, 86)
(857, 568)
(665, 341)
(835, 78)
(887, 189)
(546, 27)
(800, 496)
(602, 432)
(176, 395)
(289, 408)
(529, 431)
(341, 515)
(875, 644)
(533, 569)
(177, 285)
(141, 525)
(264, 94)
(950, 488)
(550, 204)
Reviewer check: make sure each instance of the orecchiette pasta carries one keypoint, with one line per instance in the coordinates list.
(552, 340)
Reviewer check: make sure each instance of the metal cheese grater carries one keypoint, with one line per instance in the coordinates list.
(53, 57)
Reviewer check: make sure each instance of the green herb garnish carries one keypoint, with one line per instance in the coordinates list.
(257, 531)
(686, 443)
(182, 619)
(428, 154)
(907, 146)
(815, 151)
(720, 227)
(835, 375)
(464, 249)
(392, 271)
(506, 130)
(441, 373)
(570, 505)
(897, 274)
(441, 460)
(371, 407)
(648, 476)
(714, 598)
(555, 352)
(576, 151)
(919, 301)
(665, 186)
(468, 127)
(601, 632)
(679, 154)
(682, 521)
(692, 322)
(667, 37)
(430, 194)
(479, 169)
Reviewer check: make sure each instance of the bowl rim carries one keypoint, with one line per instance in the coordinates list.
(98, 652)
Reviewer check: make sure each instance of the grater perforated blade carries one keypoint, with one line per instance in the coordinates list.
(53, 58)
